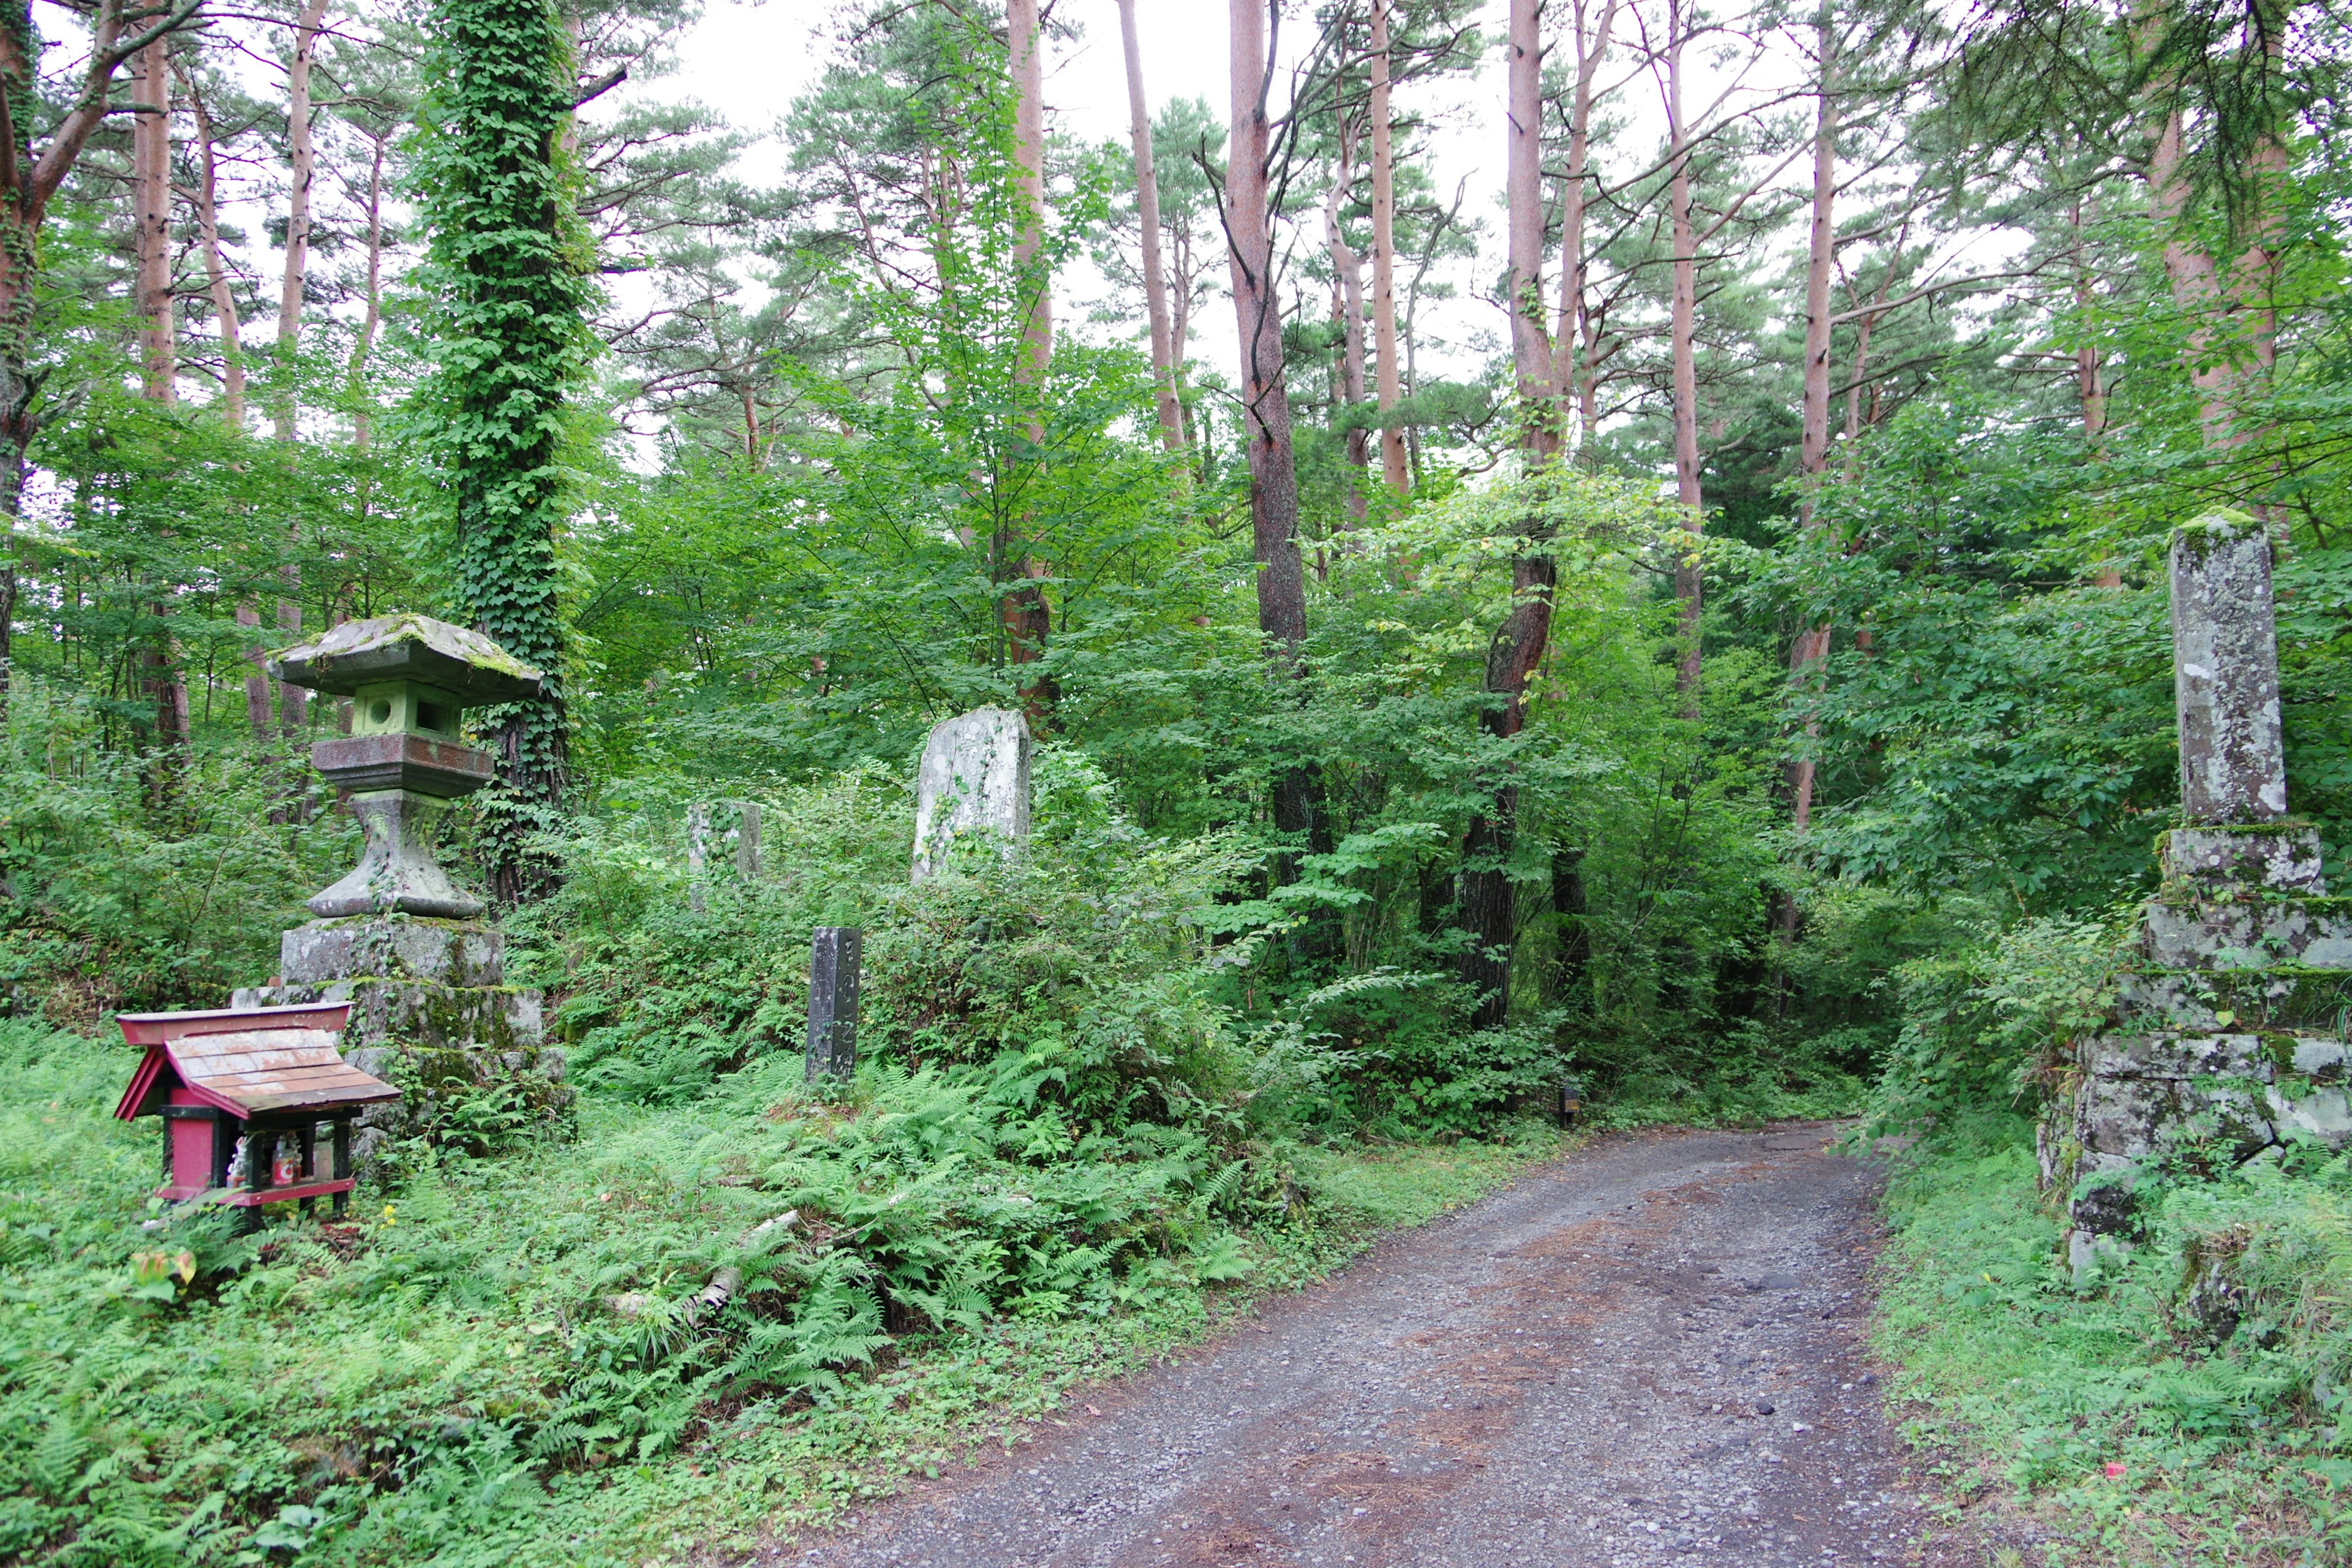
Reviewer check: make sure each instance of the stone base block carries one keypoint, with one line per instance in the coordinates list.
(486, 1018)
(394, 947)
(2283, 998)
(2250, 862)
(2314, 934)
(468, 1098)
(448, 1049)
(2217, 1100)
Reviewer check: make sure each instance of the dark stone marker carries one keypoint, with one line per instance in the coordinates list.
(2226, 673)
(832, 1003)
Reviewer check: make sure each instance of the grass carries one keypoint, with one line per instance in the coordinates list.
(500, 1362)
(2107, 1411)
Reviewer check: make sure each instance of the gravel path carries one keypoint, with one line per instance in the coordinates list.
(1646, 1352)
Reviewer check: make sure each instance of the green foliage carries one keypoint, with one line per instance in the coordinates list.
(767, 1304)
(2236, 1452)
(111, 904)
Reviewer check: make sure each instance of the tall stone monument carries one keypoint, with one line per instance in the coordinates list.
(2227, 1038)
(974, 778)
(398, 940)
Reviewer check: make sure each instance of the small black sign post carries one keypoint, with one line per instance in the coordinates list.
(833, 1004)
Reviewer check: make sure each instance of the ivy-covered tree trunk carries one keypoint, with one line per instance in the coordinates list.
(507, 268)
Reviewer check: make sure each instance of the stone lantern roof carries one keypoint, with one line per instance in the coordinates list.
(463, 663)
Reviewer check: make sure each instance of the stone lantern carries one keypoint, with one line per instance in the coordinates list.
(408, 677)
(396, 938)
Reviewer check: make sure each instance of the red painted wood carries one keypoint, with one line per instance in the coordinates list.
(242, 1198)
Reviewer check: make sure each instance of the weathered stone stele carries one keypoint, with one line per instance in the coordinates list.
(974, 778)
(431, 1010)
(2225, 672)
(2226, 1037)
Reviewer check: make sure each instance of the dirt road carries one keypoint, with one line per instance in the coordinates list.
(1647, 1352)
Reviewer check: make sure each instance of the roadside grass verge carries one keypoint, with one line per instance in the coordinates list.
(2114, 1412)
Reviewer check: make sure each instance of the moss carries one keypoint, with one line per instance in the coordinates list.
(2201, 535)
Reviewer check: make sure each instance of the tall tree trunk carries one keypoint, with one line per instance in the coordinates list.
(1689, 583)
(1257, 308)
(1384, 315)
(256, 679)
(1027, 617)
(303, 163)
(1575, 374)
(26, 185)
(510, 308)
(1813, 644)
(2233, 343)
(1489, 910)
(2090, 384)
(216, 278)
(293, 701)
(1265, 393)
(1165, 350)
(1531, 349)
(150, 162)
(1347, 305)
(150, 166)
(371, 321)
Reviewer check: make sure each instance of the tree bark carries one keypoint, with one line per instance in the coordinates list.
(1689, 584)
(216, 278)
(1813, 644)
(150, 161)
(1165, 350)
(1576, 374)
(1393, 466)
(2234, 340)
(1257, 308)
(1348, 305)
(1027, 617)
(1265, 393)
(256, 680)
(151, 182)
(303, 162)
(371, 321)
(1531, 348)
(1489, 910)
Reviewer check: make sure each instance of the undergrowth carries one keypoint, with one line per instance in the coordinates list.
(2186, 1402)
(524, 1360)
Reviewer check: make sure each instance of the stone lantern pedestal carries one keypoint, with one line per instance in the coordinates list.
(396, 938)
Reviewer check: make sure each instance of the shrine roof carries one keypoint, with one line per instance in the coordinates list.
(253, 1071)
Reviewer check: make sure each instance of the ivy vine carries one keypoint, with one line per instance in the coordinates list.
(507, 274)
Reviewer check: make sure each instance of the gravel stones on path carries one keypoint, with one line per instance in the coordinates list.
(1646, 1352)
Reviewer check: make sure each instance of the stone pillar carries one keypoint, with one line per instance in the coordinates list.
(747, 840)
(2225, 672)
(974, 778)
(832, 1003)
(2227, 1036)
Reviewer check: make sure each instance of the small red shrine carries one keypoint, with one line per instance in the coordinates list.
(249, 1076)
